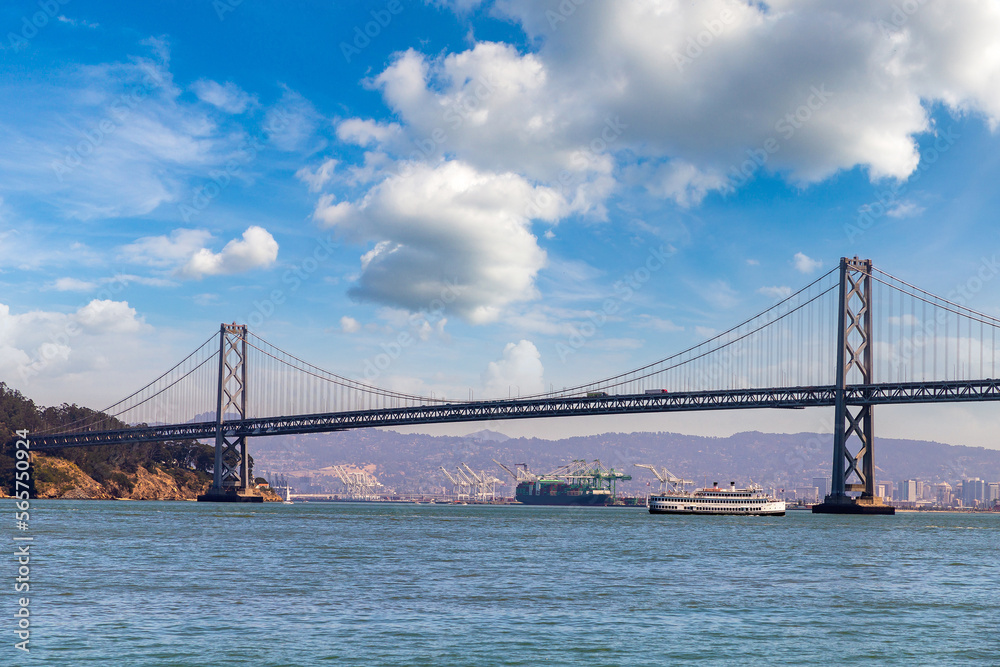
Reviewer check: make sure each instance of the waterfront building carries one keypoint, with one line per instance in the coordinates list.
(943, 493)
(973, 492)
(907, 490)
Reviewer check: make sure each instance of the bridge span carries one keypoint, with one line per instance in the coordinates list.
(852, 339)
(954, 391)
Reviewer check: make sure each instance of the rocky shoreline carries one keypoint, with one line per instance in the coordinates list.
(56, 478)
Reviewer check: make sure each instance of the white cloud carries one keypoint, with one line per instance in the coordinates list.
(166, 251)
(77, 22)
(363, 132)
(518, 371)
(349, 324)
(107, 316)
(684, 183)
(317, 179)
(447, 235)
(904, 209)
(185, 251)
(616, 81)
(256, 250)
(777, 292)
(73, 285)
(609, 98)
(805, 264)
(228, 96)
(55, 345)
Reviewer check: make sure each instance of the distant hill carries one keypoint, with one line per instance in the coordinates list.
(411, 462)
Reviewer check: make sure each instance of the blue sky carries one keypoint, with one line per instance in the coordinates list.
(478, 176)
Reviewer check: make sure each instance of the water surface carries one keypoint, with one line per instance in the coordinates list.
(155, 583)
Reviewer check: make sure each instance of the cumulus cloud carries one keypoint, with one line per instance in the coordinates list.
(446, 236)
(228, 96)
(612, 94)
(518, 371)
(104, 316)
(349, 324)
(806, 264)
(832, 85)
(257, 249)
(51, 344)
(185, 251)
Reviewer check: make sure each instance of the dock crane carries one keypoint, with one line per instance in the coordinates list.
(470, 481)
(484, 482)
(358, 485)
(459, 486)
(668, 481)
(519, 473)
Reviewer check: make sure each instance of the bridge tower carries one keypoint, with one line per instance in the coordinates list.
(231, 480)
(853, 472)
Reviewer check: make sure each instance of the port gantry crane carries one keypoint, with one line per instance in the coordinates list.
(594, 474)
(520, 473)
(485, 484)
(669, 482)
(460, 486)
(358, 485)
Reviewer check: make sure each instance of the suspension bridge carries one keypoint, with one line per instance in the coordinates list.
(854, 338)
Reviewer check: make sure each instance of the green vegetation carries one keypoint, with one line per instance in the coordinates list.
(187, 461)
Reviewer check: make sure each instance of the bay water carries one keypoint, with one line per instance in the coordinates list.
(182, 583)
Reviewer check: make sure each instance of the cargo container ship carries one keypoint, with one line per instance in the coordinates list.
(578, 483)
(558, 492)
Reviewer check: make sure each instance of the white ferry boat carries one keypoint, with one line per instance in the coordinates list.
(751, 501)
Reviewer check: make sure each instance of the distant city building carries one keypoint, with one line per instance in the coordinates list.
(822, 485)
(973, 492)
(993, 491)
(884, 490)
(809, 494)
(943, 494)
(907, 490)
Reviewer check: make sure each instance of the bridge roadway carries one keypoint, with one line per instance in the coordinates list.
(946, 391)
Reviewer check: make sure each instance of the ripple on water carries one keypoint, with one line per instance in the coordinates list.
(181, 583)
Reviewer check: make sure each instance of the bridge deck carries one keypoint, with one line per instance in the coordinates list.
(734, 399)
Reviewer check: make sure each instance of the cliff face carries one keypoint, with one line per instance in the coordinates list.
(57, 478)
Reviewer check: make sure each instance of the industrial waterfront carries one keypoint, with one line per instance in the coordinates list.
(393, 584)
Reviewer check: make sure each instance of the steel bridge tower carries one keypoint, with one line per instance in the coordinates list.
(853, 472)
(231, 478)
